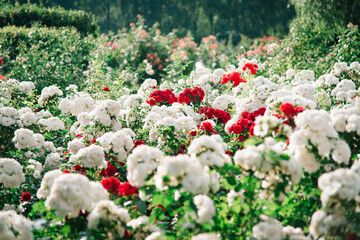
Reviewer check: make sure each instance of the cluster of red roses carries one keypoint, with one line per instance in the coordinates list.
(162, 97)
(110, 170)
(114, 186)
(289, 112)
(168, 97)
(233, 77)
(245, 125)
(205, 127)
(194, 95)
(215, 113)
(251, 66)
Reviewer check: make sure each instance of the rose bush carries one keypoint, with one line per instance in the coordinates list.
(237, 150)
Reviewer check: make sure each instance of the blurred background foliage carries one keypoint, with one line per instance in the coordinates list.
(204, 17)
(87, 41)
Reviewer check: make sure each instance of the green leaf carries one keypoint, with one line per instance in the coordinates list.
(39, 207)
(157, 199)
(142, 131)
(252, 141)
(231, 180)
(284, 157)
(193, 206)
(166, 179)
(141, 205)
(66, 230)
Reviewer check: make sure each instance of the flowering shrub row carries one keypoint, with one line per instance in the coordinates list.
(229, 153)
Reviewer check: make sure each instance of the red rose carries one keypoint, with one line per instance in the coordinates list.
(138, 143)
(161, 97)
(287, 109)
(351, 236)
(77, 168)
(193, 133)
(26, 196)
(110, 170)
(126, 189)
(298, 110)
(237, 129)
(106, 89)
(251, 67)
(206, 126)
(233, 77)
(111, 184)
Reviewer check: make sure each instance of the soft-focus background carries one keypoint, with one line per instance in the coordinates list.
(77, 41)
(205, 17)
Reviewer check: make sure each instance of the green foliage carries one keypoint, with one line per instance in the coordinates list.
(44, 56)
(333, 13)
(320, 36)
(225, 17)
(29, 14)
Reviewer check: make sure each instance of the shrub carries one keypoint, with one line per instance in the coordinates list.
(44, 56)
(29, 14)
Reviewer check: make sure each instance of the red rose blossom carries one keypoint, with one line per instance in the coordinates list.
(215, 113)
(287, 109)
(351, 236)
(206, 126)
(233, 77)
(251, 67)
(191, 95)
(126, 189)
(77, 168)
(161, 97)
(26, 196)
(110, 170)
(245, 125)
(111, 184)
(106, 89)
(193, 133)
(138, 143)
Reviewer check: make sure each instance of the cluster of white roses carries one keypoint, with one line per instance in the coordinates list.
(109, 216)
(11, 173)
(24, 117)
(340, 194)
(68, 194)
(48, 93)
(120, 142)
(11, 87)
(78, 103)
(14, 226)
(271, 229)
(314, 127)
(27, 139)
(270, 162)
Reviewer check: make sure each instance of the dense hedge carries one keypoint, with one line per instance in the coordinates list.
(29, 14)
(45, 56)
